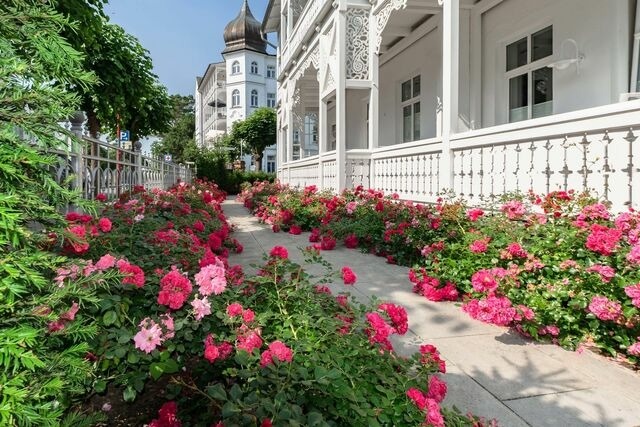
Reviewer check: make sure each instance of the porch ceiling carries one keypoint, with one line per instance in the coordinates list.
(405, 21)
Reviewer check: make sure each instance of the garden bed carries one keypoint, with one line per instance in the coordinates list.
(559, 267)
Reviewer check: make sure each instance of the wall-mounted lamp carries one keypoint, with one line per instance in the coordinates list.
(563, 64)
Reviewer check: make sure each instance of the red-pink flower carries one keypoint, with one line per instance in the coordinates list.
(327, 243)
(104, 224)
(496, 310)
(295, 230)
(603, 240)
(379, 330)
(604, 308)
(351, 241)
(437, 389)
(314, 237)
(174, 290)
(606, 273)
(431, 356)
(101, 197)
(474, 214)
(167, 416)
(398, 316)
(513, 209)
(277, 350)
(479, 246)
(149, 336)
(133, 275)
(417, 397)
(201, 307)
(107, 261)
(434, 416)
(634, 255)
(248, 316)
(484, 281)
(633, 292)
(279, 252)
(249, 341)
(348, 276)
(211, 279)
(234, 310)
(634, 349)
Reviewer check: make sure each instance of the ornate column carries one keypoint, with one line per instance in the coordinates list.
(450, 84)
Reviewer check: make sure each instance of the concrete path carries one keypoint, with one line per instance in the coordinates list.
(491, 371)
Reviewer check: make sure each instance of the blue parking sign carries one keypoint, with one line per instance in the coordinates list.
(124, 135)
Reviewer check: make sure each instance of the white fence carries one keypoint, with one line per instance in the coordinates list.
(94, 167)
(595, 150)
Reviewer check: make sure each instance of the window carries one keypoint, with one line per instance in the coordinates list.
(254, 67)
(235, 98)
(254, 98)
(235, 67)
(271, 164)
(271, 100)
(410, 109)
(530, 81)
(271, 72)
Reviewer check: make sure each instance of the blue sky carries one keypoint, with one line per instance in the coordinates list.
(183, 36)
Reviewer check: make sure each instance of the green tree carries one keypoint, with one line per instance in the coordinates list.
(179, 140)
(40, 372)
(256, 132)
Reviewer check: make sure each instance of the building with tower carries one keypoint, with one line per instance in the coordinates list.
(231, 90)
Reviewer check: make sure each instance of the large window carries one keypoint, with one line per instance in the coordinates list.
(254, 98)
(254, 67)
(235, 98)
(271, 164)
(410, 109)
(271, 100)
(529, 79)
(235, 67)
(271, 72)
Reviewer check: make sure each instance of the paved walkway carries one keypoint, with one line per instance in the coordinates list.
(490, 371)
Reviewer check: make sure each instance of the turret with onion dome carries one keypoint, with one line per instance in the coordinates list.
(244, 32)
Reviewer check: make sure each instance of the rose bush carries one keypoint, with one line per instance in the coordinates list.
(556, 267)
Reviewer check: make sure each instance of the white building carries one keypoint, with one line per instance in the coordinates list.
(478, 96)
(231, 90)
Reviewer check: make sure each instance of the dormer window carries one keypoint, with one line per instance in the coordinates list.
(235, 67)
(254, 67)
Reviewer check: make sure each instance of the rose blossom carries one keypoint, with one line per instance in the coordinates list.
(201, 307)
(279, 252)
(604, 309)
(348, 276)
(149, 336)
(211, 279)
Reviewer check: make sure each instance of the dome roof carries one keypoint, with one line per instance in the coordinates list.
(244, 32)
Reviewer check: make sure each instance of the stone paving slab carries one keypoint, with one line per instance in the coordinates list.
(491, 371)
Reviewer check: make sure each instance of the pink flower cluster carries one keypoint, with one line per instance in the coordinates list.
(513, 209)
(174, 290)
(211, 279)
(213, 351)
(633, 292)
(430, 356)
(603, 240)
(167, 416)
(277, 350)
(479, 246)
(606, 273)
(348, 276)
(605, 309)
(488, 280)
(152, 334)
(428, 403)
(492, 309)
(431, 288)
(279, 252)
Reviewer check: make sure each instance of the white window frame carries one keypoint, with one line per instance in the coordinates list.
(411, 102)
(235, 98)
(271, 71)
(271, 100)
(254, 100)
(235, 67)
(254, 67)
(527, 69)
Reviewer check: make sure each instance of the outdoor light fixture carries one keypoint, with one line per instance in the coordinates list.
(564, 63)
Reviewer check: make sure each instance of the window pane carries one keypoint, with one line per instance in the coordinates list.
(416, 86)
(416, 121)
(542, 44)
(406, 91)
(542, 91)
(517, 54)
(518, 98)
(406, 113)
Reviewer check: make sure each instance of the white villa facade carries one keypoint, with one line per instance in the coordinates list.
(479, 96)
(231, 90)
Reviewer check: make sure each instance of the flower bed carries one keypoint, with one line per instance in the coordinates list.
(221, 349)
(559, 267)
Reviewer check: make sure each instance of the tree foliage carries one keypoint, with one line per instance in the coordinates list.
(257, 132)
(179, 139)
(128, 92)
(40, 371)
